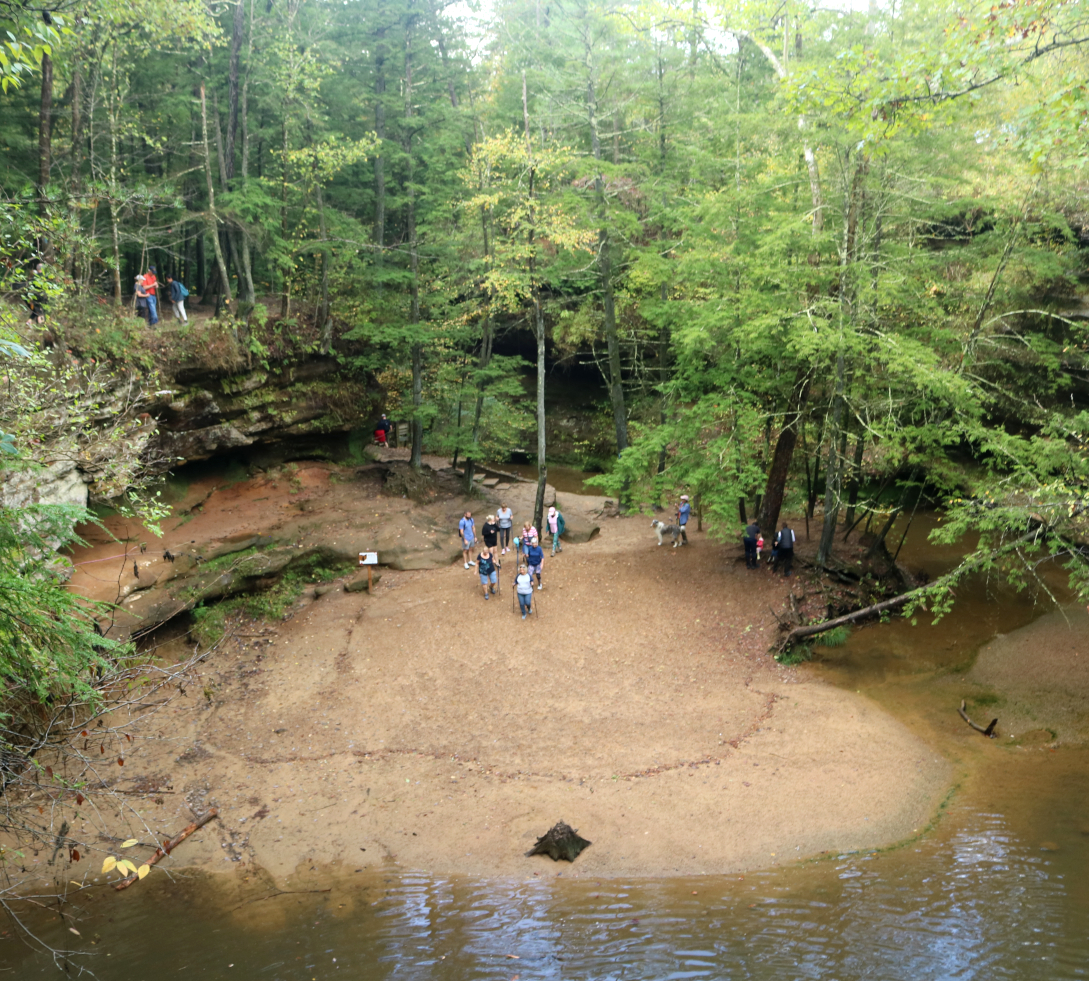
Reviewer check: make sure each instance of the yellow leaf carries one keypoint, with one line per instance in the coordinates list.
(143, 870)
(129, 843)
(108, 864)
(125, 864)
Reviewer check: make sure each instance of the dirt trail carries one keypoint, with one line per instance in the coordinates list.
(430, 728)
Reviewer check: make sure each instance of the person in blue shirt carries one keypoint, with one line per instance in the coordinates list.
(534, 560)
(683, 513)
(467, 530)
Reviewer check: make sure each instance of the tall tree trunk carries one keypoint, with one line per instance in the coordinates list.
(211, 219)
(238, 25)
(538, 320)
(414, 261)
(285, 286)
(775, 488)
(663, 377)
(379, 160)
(485, 358)
(325, 317)
(77, 129)
(605, 271)
(833, 479)
(45, 131)
(856, 477)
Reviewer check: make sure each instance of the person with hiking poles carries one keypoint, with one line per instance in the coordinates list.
(177, 293)
(523, 589)
(467, 530)
(784, 549)
(556, 525)
(486, 567)
(535, 559)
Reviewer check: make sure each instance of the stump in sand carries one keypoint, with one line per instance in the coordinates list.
(560, 841)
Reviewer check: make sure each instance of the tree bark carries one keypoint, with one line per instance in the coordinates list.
(379, 160)
(605, 272)
(775, 488)
(538, 321)
(77, 128)
(414, 263)
(238, 25)
(856, 477)
(211, 219)
(45, 131)
(485, 358)
(833, 479)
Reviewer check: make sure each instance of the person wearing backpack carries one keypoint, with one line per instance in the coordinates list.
(556, 526)
(784, 548)
(177, 293)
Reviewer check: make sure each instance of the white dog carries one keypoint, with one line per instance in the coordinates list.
(673, 531)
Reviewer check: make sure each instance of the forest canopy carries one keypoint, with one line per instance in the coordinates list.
(826, 258)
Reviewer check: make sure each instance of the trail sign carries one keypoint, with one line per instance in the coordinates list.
(368, 558)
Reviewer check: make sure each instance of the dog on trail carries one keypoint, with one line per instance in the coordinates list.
(673, 531)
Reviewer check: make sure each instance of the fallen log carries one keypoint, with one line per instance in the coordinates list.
(167, 847)
(988, 732)
(869, 611)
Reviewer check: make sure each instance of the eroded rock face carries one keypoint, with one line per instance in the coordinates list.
(207, 413)
(59, 482)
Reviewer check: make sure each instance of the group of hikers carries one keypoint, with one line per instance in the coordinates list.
(146, 294)
(497, 541)
(782, 552)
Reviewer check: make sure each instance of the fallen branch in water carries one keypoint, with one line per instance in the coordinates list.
(988, 732)
(869, 611)
(167, 847)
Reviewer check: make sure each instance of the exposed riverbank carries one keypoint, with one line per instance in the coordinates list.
(426, 728)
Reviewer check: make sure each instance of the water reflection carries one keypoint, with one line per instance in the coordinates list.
(986, 896)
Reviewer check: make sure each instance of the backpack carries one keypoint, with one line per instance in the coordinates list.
(182, 291)
(560, 523)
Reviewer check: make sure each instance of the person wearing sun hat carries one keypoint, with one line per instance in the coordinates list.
(683, 512)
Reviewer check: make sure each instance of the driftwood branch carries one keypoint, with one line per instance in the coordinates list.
(988, 732)
(167, 847)
(897, 601)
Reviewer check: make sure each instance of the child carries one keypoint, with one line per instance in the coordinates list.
(759, 546)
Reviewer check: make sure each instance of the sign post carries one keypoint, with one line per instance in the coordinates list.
(370, 560)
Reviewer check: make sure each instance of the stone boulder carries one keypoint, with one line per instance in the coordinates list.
(578, 528)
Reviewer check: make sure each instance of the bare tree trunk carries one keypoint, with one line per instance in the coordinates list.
(211, 219)
(45, 131)
(538, 322)
(285, 291)
(833, 479)
(379, 160)
(605, 272)
(856, 476)
(775, 489)
(238, 25)
(482, 364)
(77, 128)
(324, 318)
(414, 263)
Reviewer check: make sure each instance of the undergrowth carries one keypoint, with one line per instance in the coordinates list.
(210, 622)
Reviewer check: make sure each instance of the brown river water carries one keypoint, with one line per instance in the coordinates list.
(996, 888)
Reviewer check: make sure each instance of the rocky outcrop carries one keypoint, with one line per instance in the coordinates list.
(205, 413)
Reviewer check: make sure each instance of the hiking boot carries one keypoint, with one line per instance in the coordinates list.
(523, 616)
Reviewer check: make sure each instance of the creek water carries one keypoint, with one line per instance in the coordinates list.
(996, 888)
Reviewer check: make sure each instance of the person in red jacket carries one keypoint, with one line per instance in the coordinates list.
(151, 286)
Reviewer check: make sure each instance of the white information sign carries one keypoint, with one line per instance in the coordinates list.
(368, 558)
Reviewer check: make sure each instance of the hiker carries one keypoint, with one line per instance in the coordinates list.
(556, 525)
(490, 533)
(177, 293)
(506, 521)
(140, 295)
(535, 559)
(752, 549)
(523, 588)
(486, 567)
(467, 530)
(784, 549)
(151, 286)
(759, 547)
(683, 511)
(528, 534)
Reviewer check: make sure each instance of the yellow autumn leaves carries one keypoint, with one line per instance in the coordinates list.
(123, 865)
